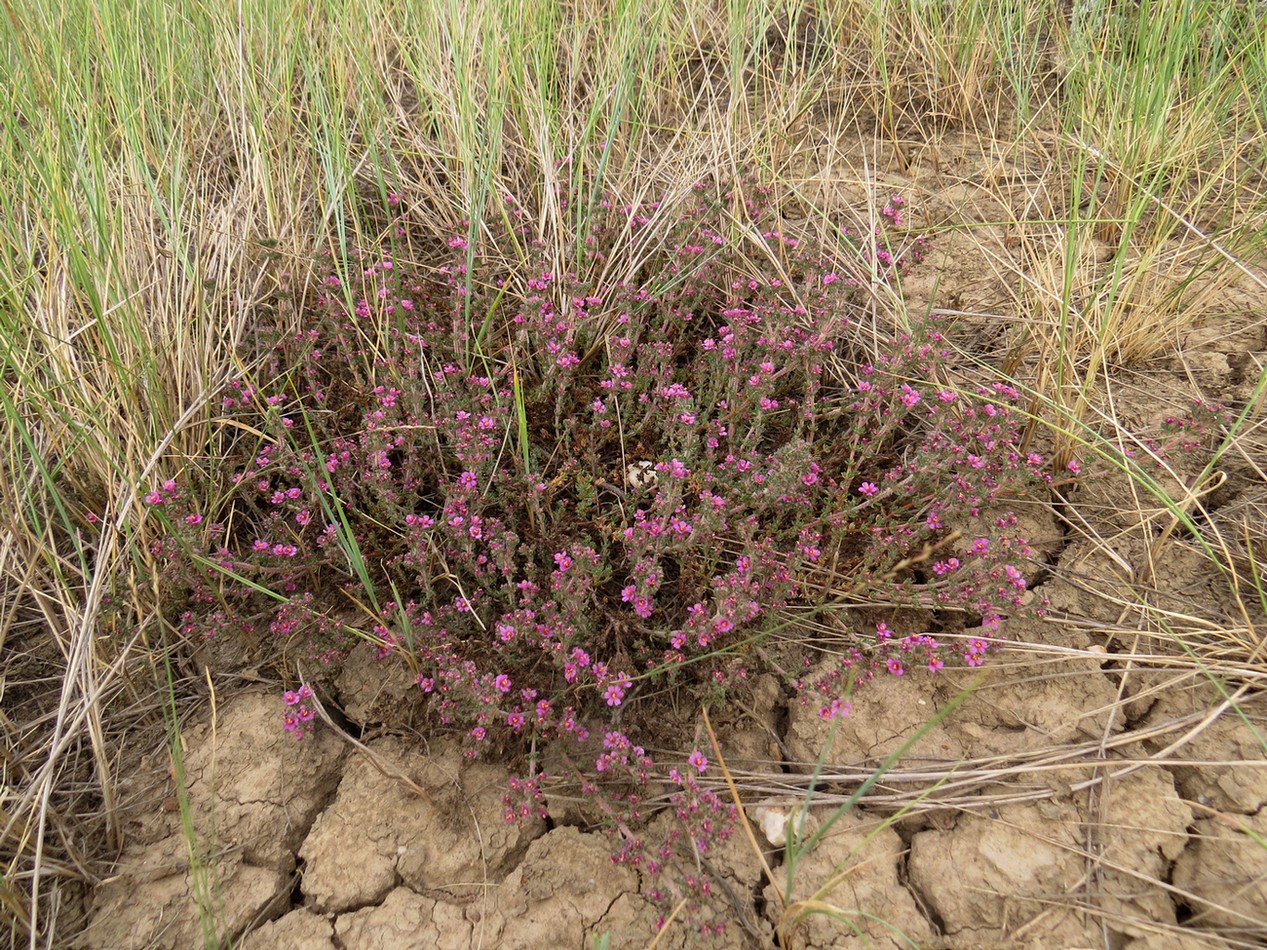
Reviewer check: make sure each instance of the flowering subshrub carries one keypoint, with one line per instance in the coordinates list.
(551, 490)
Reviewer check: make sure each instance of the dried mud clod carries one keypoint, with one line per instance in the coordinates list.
(253, 793)
(452, 843)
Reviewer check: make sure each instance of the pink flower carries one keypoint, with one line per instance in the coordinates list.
(868, 488)
(698, 760)
(835, 708)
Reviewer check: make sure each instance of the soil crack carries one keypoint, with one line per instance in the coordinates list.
(922, 904)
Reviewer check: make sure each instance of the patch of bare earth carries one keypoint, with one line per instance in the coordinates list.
(1050, 828)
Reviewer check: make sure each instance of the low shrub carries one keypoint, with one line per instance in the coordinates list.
(554, 494)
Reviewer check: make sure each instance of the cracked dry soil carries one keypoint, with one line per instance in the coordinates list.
(319, 846)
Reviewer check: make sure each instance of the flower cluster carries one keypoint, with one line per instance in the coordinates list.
(699, 820)
(298, 715)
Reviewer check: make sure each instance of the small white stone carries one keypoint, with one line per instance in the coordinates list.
(773, 821)
(640, 474)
